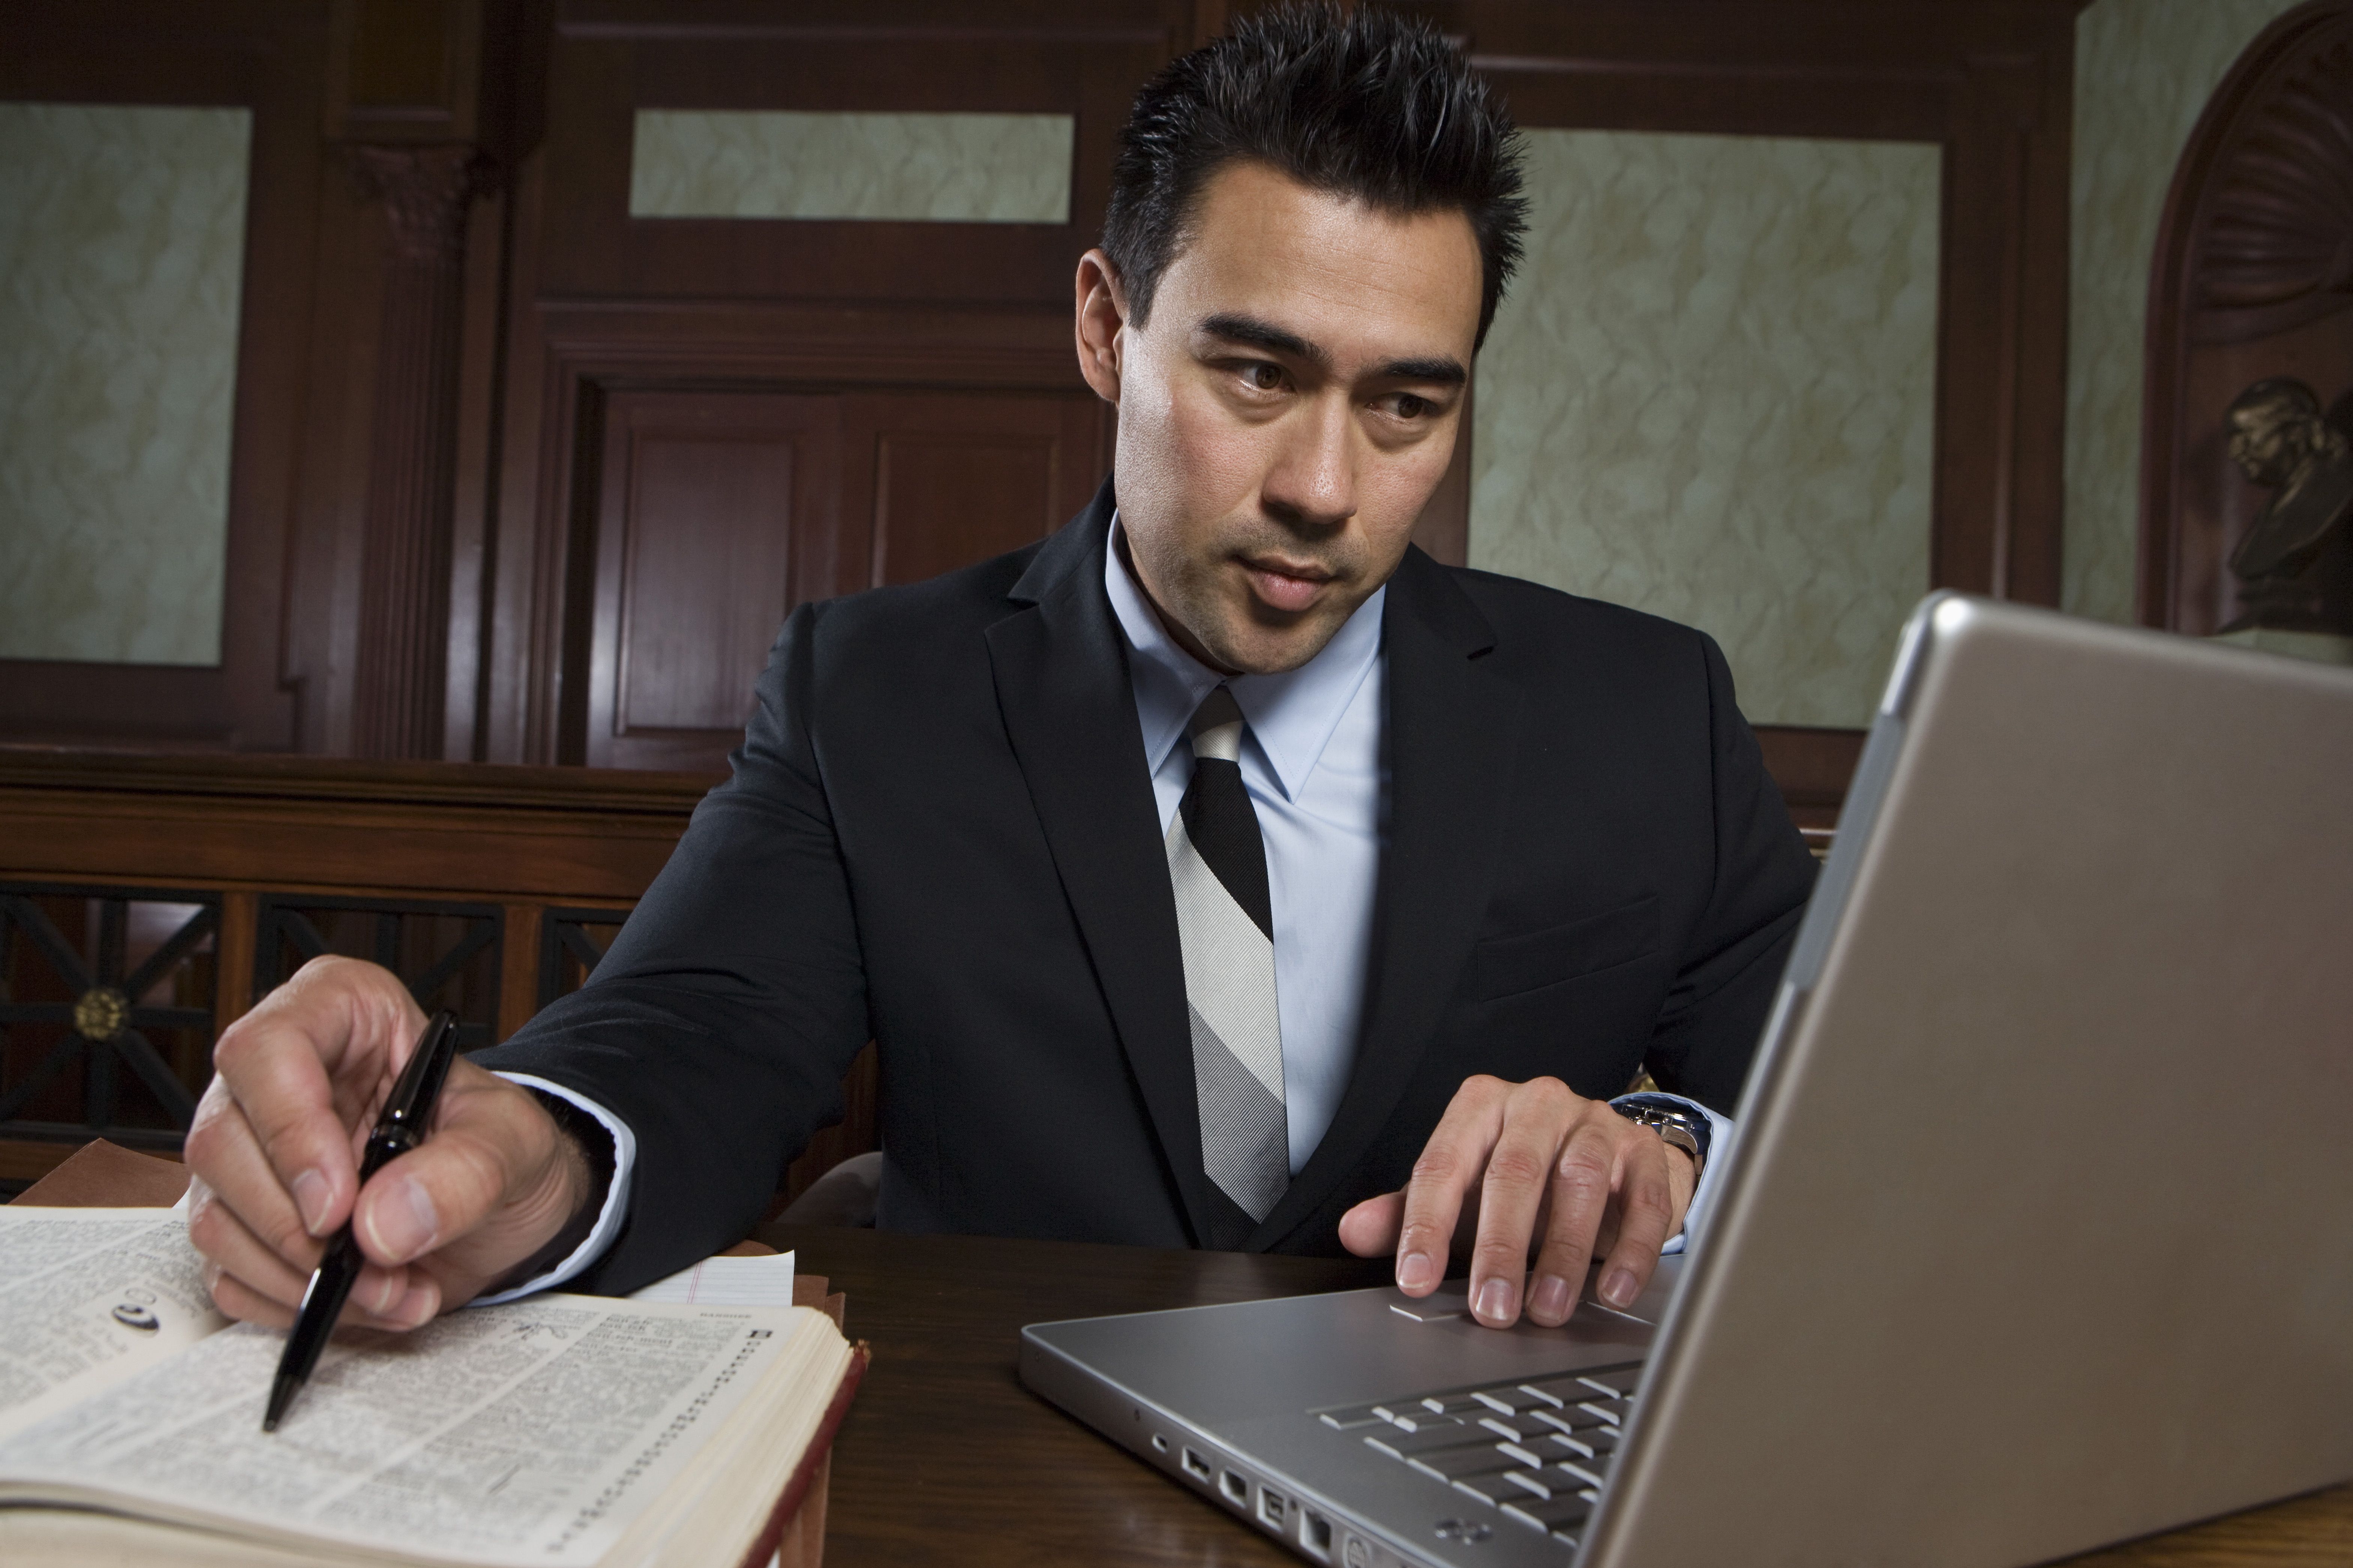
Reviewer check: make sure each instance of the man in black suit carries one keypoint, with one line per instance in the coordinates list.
(1220, 871)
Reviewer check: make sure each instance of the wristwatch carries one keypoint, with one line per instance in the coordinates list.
(1676, 1127)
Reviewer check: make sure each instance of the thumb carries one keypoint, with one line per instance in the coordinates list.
(1371, 1228)
(490, 1143)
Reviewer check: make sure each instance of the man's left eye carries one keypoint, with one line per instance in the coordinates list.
(1406, 405)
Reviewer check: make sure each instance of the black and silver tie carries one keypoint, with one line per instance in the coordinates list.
(1225, 918)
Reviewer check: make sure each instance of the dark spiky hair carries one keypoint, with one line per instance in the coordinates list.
(1366, 104)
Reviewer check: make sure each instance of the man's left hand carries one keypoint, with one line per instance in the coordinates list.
(1512, 1166)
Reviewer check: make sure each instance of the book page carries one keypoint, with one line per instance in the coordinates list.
(727, 1282)
(529, 1433)
(87, 1296)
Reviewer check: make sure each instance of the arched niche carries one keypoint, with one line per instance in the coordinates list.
(2252, 277)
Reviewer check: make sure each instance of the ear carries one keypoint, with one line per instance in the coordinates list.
(1102, 312)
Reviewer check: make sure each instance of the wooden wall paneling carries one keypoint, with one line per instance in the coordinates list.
(719, 512)
(270, 58)
(323, 600)
(611, 58)
(400, 674)
(600, 303)
(473, 505)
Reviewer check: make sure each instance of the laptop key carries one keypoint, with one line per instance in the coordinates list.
(1601, 1441)
(1616, 1382)
(1570, 1418)
(1518, 1428)
(1538, 1482)
(1610, 1410)
(1590, 1472)
(1453, 1464)
(1354, 1416)
(1548, 1514)
(1413, 1445)
(1495, 1486)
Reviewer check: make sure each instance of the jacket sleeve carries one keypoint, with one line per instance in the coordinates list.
(719, 1024)
(1731, 965)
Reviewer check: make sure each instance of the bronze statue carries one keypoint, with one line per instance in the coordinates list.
(2294, 566)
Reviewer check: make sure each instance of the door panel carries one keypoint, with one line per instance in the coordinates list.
(719, 511)
(958, 477)
(717, 518)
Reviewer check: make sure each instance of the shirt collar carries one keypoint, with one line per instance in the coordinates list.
(1292, 715)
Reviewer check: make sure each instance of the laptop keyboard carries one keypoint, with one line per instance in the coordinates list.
(1536, 1452)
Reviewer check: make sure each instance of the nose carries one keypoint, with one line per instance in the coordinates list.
(1312, 487)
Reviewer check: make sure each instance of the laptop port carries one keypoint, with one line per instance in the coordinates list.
(1269, 1508)
(1197, 1467)
(1315, 1535)
(1235, 1488)
(1160, 1442)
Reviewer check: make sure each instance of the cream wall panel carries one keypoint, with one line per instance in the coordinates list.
(122, 249)
(2144, 70)
(945, 168)
(1711, 396)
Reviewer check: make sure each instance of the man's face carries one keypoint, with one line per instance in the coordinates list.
(1288, 410)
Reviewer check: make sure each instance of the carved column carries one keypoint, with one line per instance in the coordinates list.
(400, 669)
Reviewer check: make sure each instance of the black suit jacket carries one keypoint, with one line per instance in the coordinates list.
(941, 834)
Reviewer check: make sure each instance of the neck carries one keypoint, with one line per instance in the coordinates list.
(1178, 631)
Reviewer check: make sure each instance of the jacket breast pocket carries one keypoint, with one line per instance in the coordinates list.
(1508, 965)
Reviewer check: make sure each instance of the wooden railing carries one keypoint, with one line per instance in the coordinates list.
(147, 901)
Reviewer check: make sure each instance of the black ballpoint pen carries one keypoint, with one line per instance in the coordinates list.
(400, 1128)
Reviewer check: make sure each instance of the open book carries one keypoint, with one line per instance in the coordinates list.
(560, 1430)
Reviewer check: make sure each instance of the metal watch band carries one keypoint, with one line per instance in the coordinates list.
(1675, 1126)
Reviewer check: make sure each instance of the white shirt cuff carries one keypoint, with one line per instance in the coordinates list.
(1719, 1143)
(616, 1195)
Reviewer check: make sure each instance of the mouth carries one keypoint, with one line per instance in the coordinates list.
(1284, 585)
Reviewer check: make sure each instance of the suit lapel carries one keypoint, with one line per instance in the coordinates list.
(1449, 734)
(1060, 670)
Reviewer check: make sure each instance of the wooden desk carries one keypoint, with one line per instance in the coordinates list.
(945, 1457)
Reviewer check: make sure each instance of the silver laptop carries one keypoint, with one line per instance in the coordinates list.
(2037, 1233)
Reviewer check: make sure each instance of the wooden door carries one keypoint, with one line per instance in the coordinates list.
(719, 511)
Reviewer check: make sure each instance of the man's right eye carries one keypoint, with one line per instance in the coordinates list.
(1262, 376)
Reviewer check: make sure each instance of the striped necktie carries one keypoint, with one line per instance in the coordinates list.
(1225, 920)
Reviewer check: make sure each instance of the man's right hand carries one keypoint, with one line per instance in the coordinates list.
(274, 1156)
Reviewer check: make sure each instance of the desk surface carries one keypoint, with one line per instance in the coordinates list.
(945, 1457)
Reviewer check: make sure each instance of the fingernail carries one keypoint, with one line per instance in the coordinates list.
(1620, 1288)
(1499, 1301)
(385, 1294)
(312, 1194)
(1416, 1269)
(414, 1307)
(1550, 1298)
(402, 1223)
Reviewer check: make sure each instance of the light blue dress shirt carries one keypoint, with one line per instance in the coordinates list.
(1312, 761)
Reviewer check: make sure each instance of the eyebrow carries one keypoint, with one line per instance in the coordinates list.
(1250, 332)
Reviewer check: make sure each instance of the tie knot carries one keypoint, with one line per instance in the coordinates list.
(1217, 727)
